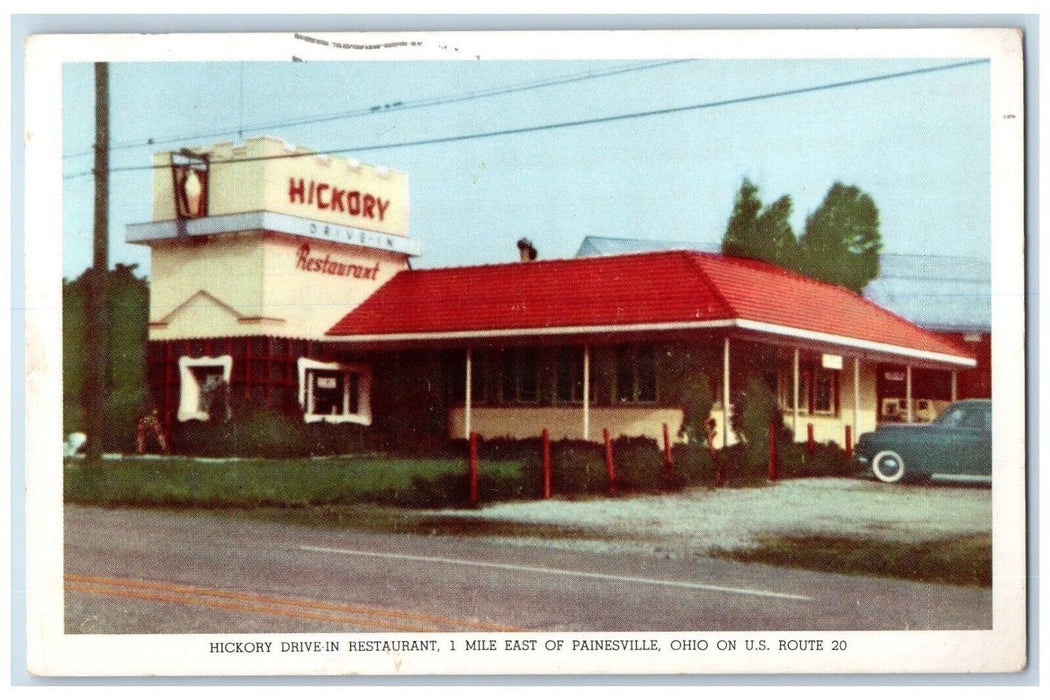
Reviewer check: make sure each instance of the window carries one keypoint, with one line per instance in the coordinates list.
(519, 370)
(569, 376)
(824, 391)
(635, 374)
(334, 392)
(204, 387)
(786, 389)
(818, 390)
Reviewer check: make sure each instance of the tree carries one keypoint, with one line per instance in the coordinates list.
(754, 409)
(740, 235)
(124, 373)
(774, 228)
(841, 242)
(760, 233)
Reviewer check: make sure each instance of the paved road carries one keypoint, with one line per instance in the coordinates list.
(143, 571)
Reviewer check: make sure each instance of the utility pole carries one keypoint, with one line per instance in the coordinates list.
(95, 386)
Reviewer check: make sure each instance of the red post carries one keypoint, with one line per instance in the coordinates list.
(667, 451)
(610, 470)
(546, 440)
(811, 443)
(473, 470)
(849, 442)
(772, 451)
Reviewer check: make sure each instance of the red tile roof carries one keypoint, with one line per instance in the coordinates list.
(679, 288)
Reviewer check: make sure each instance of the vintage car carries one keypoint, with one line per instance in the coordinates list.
(956, 446)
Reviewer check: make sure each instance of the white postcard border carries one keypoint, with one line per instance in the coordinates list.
(52, 652)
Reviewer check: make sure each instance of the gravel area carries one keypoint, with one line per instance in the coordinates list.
(700, 520)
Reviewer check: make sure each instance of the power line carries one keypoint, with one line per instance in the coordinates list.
(397, 105)
(587, 122)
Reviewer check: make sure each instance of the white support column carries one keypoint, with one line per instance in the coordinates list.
(466, 399)
(907, 392)
(794, 399)
(725, 393)
(586, 391)
(955, 385)
(856, 399)
(346, 393)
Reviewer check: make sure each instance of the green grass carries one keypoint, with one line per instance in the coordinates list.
(963, 560)
(291, 483)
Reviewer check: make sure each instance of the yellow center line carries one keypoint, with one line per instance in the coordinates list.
(242, 607)
(196, 595)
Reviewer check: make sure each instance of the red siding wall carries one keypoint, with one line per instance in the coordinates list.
(264, 368)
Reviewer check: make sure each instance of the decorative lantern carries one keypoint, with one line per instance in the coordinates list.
(189, 177)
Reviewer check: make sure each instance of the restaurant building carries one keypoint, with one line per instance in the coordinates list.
(948, 295)
(285, 275)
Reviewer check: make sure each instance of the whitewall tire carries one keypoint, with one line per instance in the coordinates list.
(888, 467)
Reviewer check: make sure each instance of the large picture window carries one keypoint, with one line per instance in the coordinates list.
(334, 392)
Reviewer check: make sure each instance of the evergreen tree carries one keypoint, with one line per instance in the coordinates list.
(774, 231)
(841, 242)
(760, 233)
(741, 231)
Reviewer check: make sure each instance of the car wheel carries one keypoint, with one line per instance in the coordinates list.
(888, 467)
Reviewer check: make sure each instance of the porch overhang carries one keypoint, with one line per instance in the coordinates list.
(742, 329)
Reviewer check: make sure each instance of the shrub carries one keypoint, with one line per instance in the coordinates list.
(508, 450)
(124, 406)
(528, 453)
(691, 465)
(755, 408)
(578, 467)
(261, 431)
(639, 464)
(697, 400)
(793, 462)
(202, 439)
(741, 468)
(827, 460)
(340, 439)
(258, 430)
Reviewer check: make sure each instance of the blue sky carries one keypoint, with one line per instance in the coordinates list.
(918, 144)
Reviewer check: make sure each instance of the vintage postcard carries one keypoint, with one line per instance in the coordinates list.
(647, 352)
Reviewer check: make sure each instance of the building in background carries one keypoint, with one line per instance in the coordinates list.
(951, 296)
